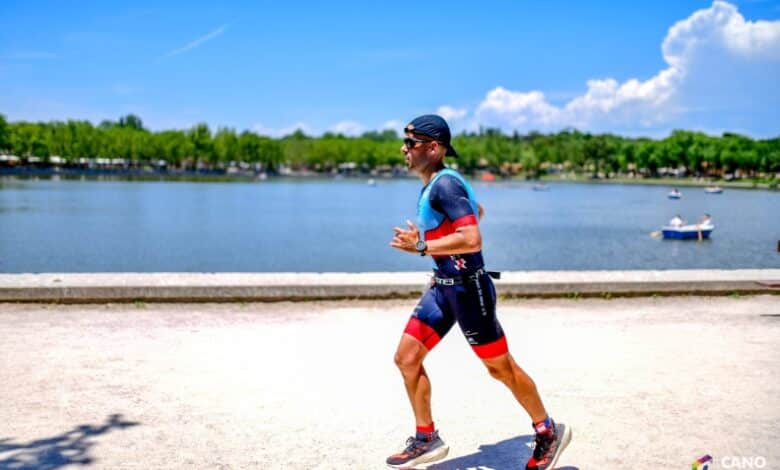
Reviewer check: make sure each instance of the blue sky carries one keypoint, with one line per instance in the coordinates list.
(633, 68)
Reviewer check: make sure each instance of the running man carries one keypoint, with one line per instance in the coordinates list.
(462, 291)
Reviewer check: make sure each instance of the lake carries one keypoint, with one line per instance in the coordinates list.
(51, 225)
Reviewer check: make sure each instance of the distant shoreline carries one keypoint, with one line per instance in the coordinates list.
(671, 182)
(23, 172)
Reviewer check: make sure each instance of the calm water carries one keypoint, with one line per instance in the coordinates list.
(345, 225)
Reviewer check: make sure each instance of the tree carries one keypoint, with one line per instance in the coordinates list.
(225, 146)
(131, 121)
(203, 147)
(596, 151)
(3, 133)
(127, 138)
(530, 161)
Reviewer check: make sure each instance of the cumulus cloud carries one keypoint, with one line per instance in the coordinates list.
(393, 125)
(281, 132)
(348, 128)
(451, 114)
(718, 65)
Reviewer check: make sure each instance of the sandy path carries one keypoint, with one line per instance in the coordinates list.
(646, 383)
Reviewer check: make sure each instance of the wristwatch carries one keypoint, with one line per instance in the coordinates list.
(421, 246)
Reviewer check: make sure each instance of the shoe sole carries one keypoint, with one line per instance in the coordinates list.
(564, 442)
(430, 457)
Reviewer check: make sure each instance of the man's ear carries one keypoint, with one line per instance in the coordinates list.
(435, 146)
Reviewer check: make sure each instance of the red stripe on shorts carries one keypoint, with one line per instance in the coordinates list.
(496, 348)
(422, 332)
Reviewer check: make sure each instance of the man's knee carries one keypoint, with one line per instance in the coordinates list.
(408, 361)
(408, 358)
(500, 368)
(500, 371)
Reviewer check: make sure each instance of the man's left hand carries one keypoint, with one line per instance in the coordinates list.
(406, 240)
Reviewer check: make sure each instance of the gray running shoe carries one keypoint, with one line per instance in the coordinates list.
(549, 447)
(419, 451)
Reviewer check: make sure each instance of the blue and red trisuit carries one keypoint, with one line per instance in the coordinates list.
(446, 203)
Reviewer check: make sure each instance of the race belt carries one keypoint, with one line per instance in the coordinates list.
(458, 280)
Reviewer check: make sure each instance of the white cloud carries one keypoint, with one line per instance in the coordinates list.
(393, 125)
(451, 114)
(721, 25)
(348, 128)
(197, 42)
(517, 108)
(715, 58)
(281, 132)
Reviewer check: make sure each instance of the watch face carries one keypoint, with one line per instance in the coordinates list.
(420, 246)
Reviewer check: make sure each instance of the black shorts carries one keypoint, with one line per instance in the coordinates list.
(472, 304)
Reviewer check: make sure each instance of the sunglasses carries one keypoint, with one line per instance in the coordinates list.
(411, 142)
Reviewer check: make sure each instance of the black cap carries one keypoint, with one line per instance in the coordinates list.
(434, 127)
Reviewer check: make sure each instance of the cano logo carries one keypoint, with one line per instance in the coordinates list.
(743, 462)
(702, 463)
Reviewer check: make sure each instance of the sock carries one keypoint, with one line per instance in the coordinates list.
(545, 426)
(425, 433)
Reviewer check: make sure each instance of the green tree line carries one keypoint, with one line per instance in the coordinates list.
(568, 150)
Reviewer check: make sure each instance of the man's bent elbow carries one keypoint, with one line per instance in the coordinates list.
(474, 243)
(472, 239)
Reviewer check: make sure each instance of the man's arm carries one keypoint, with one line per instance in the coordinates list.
(465, 239)
(450, 198)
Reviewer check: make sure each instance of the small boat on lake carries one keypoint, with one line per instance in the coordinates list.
(674, 194)
(540, 187)
(713, 190)
(487, 176)
(687, 232)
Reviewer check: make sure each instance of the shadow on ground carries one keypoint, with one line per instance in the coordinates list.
(69, 448)
(509, 454)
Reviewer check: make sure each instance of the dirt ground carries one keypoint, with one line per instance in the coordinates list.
(647, 383)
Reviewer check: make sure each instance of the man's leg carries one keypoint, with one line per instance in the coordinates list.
(424, 330)
(504, 369)
(409, 358)
(475, 310)
(551, 437)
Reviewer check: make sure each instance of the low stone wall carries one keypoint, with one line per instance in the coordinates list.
(230, 287)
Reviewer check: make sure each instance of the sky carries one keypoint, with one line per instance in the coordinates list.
(634, 68)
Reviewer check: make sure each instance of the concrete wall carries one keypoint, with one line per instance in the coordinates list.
(227, 287)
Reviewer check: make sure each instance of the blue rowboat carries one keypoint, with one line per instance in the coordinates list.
(687, 232)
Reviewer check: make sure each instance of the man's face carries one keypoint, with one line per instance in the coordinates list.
(419, 151)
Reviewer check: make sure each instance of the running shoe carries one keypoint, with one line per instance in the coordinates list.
(419, 451)
(549, 446)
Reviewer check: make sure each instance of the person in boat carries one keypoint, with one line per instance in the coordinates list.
(677, 221)
(461, 292)
(706, 219)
